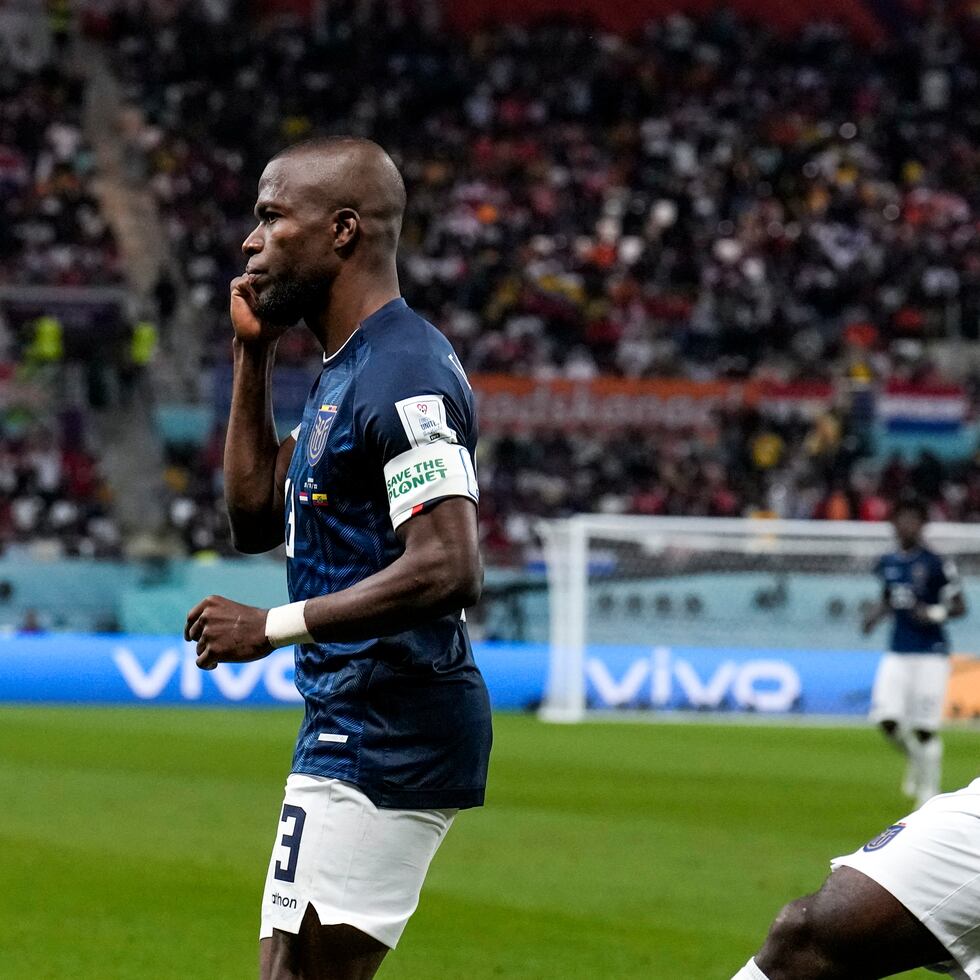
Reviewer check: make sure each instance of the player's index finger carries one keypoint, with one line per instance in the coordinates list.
(192, 618)
(242, 286)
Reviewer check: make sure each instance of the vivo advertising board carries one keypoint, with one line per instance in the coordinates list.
(161, 670)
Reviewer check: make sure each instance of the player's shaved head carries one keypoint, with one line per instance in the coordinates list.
(336, 172)
(329, 213)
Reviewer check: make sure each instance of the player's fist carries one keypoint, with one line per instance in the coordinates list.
(249, 327)
(226, 632)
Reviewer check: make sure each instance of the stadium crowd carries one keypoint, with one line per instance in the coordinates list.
(706, 200)
(52, 498)
(54, 231)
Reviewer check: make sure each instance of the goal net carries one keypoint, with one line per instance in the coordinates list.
(651, 613)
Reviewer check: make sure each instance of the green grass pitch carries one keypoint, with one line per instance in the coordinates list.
(135, 842)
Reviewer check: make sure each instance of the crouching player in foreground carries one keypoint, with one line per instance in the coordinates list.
(374, 495)
(908, 898)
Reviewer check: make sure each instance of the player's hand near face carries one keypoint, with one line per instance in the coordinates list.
(249, 329)
(227, 632)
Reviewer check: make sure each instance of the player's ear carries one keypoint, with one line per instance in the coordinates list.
(346, 224)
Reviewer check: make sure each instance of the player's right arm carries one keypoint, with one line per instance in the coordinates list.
(255, 463)
(883, 607)
(879, 611)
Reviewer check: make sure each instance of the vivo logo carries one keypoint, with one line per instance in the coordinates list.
(759, 685)
(235, 683)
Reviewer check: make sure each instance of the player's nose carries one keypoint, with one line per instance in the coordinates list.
(253, 243)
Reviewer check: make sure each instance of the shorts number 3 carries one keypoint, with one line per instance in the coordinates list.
(291, 841)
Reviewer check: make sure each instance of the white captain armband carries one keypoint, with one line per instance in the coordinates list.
(427, 473)
(286, 625)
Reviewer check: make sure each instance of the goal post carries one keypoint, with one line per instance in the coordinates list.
(728, 614)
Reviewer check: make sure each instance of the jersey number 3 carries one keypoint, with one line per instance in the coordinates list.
(290, 520)
(290, 841)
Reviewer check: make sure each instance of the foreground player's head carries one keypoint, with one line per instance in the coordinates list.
(324, 206)
(909, 518)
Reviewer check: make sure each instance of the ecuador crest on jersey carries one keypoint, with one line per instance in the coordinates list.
(885, 837)
(321, 429)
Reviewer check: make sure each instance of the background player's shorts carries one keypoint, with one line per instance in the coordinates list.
(930, 862)
(910, 688)
(354, 863)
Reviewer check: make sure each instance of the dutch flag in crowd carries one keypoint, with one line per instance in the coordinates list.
(908, 407)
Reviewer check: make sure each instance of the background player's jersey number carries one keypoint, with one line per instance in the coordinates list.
(290, 520)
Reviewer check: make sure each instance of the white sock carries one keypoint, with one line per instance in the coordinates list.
(928, 758)
(750, 972)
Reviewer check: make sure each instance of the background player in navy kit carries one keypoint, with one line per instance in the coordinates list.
(921, 591)
(374, 495)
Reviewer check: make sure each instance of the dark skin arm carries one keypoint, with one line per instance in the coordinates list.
(879, 611)
(440, 572)
(255, 463)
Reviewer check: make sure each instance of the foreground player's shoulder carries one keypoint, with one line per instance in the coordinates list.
(409, 361)
(414, 416)
(414, 345)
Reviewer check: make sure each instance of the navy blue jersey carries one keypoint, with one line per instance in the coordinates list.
(388, 431)
(913, 578)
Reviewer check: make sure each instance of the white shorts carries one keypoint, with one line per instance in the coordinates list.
(354, 863)
(910, 688)
(930, 862)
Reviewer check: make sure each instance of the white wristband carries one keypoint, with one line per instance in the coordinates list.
(937, 613)
(286, 625)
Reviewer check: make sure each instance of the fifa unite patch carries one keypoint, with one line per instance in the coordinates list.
(321, 429)
(877, 843)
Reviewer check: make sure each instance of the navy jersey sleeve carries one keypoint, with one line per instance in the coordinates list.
(416, 425)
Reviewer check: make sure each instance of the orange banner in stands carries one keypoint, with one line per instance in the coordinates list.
(513, 405)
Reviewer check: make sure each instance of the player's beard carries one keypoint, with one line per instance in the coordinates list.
(287, 301)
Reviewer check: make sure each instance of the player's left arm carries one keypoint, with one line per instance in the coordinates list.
(440, 572)
(951, 594)
(415, 442)
(951, 604)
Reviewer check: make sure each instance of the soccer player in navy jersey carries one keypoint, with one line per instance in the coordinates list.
(374, 495)
(920, 591)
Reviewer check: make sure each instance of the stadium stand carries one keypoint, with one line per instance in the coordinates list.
(704, 200)
(55, 233)
(53, 501)
(707, 199)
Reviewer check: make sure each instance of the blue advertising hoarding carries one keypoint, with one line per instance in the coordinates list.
(81, 668)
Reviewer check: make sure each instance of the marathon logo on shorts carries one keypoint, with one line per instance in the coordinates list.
(321, 429)
(884, 838)
(283, 901)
